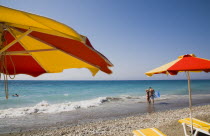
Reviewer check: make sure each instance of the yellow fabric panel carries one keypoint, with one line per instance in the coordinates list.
(48, 59)
(136, 133)
(161, 68)
(160, 133)
(52, 32)
(35, 22)
(56, 61)
(30, 43)
(148, 132)
(197, 124)
(94, 71)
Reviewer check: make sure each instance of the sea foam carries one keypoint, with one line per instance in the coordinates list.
(45, 107)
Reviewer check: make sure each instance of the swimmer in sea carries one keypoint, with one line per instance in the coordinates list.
(15, 95)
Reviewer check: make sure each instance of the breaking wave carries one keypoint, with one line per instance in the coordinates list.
(45, 107)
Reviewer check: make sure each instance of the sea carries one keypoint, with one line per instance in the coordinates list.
(43, 96)
(43, 104)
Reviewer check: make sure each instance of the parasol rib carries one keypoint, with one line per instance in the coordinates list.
(26, 50)
(15, 41)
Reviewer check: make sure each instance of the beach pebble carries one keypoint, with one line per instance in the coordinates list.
(123, 126)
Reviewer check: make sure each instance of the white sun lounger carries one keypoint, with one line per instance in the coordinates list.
(198, 126)
(148, 132)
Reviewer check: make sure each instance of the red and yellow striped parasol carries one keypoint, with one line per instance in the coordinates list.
(186, 63)
(33, 45)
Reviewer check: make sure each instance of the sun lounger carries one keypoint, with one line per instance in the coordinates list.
(198, 126)
(148, 132)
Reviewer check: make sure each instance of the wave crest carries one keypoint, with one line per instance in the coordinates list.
(45, 107)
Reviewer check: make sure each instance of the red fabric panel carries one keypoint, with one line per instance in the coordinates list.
(8, 39)
(89, 44)
(191, 64)
(173, 72)
(74, 48)
(23, 65)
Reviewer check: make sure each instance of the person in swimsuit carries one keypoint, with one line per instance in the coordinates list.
(148, 95)
(152, 94)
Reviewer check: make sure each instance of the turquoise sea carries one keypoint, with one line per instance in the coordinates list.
(58, 96)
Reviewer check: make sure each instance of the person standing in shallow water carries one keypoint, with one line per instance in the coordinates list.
(152, 94)
(148, 95)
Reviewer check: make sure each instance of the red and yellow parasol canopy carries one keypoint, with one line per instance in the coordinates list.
(32, 44)
(187, 62)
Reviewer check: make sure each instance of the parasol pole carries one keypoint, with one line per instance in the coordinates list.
(190, 101)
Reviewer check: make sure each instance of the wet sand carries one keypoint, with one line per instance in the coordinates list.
(114, 118)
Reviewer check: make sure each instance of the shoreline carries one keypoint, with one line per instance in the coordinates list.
(107, 111)
(116, 112)
(111, 118)
(163, 120)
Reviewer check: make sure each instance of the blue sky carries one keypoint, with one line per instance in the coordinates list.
(135, 35)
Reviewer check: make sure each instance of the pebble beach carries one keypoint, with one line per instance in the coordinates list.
(166, 121)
